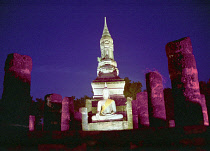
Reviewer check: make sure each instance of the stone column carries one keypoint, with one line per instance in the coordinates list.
(129, 111)
(65, 115)
(204, 110)
(143, 112)
(83, 111)
(156, 99)
(184, 80)
(31, 122)
(169, 105)
(135, 121)
(16, 97)
(135, 114)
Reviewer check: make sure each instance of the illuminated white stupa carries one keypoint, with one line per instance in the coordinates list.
(107, 70)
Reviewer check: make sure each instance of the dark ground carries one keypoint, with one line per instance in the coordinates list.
(170, 139)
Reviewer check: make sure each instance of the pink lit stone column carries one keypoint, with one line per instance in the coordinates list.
(135, 121)
(184, 80)
(31, 122)
(204, 110)
(135, 114)
(156, 99)
(143, 112)
(16, 97)
(65, 115)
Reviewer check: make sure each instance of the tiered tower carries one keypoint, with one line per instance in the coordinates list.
(107, 70)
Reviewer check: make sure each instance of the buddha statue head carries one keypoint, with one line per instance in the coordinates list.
(105, 92)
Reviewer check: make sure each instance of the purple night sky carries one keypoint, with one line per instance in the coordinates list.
(63, 40)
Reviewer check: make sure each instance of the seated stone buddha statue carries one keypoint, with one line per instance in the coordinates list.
(106, 108)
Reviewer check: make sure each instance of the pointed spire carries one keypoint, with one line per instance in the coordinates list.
(105, 31)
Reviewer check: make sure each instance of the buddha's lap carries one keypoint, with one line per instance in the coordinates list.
(107, 117)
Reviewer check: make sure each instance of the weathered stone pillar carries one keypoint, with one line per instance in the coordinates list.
(83, 111)
(143, 112)
(135, 114)
(65, 115)
(129, 111)
(16, 97)
(184, 80)
(31, 122)
(135, 121)
(169, 105)
(52, 112)
(204, 110)
(156, 102)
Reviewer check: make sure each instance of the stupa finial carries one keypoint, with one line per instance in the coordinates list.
(105, 21)
(105, 31)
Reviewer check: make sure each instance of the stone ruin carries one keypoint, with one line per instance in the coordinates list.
(169, 106)
(204, 110)
(67, 113)
(183, 105)
(58, 113)
(156, 99)
(16, 100)
(185, 85)
(140, 110)
(32, 124)
(149, 107)
(16, 97)
(52, 112)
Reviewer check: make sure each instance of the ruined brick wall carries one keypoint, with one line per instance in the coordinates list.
(16, 94)
(156, 102)
(184, 80)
